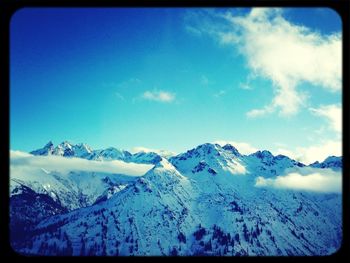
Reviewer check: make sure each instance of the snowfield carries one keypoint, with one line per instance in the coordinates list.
(210, 200)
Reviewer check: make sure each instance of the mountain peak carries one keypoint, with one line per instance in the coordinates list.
(163, 173)
(65, 148)
(330, 162)
(263, 154)
(232, 149)
(207, 145)
(66, 144)
(49, 144)
(46, 150)
(206, 148)
(82, 150)
(147, 157)
(83, 145)
(332, 158)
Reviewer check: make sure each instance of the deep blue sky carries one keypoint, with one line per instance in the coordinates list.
(83, 75)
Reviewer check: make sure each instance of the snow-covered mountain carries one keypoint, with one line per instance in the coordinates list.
(332, 162)
(84, 151)
(66, 149)
(48, 149)
(201, 202)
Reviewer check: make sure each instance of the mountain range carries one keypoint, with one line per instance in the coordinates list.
(206, 201)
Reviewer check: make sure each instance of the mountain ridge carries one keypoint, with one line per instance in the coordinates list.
(67, 149)
(201, 202)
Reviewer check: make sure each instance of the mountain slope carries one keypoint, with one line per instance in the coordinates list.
(202, 202)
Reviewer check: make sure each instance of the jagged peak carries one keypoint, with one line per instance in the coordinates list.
(232, 149)
(206, 147)
(330, 162)
(46, 150)
(283, 157)
(84, 146)
(332, 158)
(112, 149)
(262, 154)
(65, 144)
(49, 144)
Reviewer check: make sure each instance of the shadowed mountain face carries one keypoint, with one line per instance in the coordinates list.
(206, 201)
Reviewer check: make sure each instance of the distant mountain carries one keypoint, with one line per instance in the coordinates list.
(143, 157)
(201, 202)
(333, 162)
(84, 151)
(48, 149)
(110, 154)
(66, 149)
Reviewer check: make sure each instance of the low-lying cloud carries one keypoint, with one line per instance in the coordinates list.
(318, 152)
(315, 180)
(64, 165)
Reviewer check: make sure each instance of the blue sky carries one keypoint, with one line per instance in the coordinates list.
(175, 78)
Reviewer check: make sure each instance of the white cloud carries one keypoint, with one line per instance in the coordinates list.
(324, 180)
(333, 114)
(163, 153)
(259, 112)
(193, 30)
(276, 49)
(319, 152)
(160, 96)
(61, 164)
(307, 155)
(242, 147)
(245, 86)
(143, 149)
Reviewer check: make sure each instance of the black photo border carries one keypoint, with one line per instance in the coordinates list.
(9, 7)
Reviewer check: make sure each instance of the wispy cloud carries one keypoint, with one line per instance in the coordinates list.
(159, 96)
(21, 160)
(130, 83)
(220, 93)
(316, 180)
(119, 96)
(242, 147)
(332, 113)
(260, 112)
(122, 88)
(279, 50)
(245, 86)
